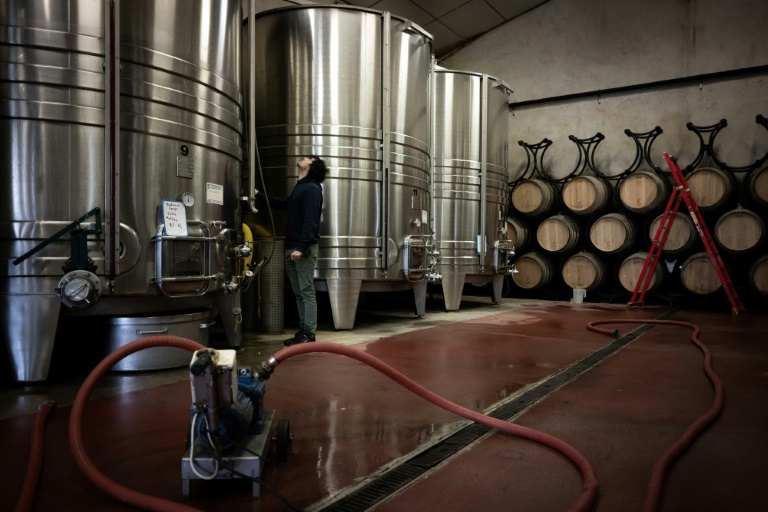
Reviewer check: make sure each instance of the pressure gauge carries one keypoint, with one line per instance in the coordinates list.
(188, 199)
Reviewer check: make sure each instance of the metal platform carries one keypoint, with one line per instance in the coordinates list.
(247, 459)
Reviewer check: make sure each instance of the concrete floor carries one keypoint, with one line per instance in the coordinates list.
(352, 426)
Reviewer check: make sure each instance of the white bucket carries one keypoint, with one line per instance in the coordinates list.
(578, 295)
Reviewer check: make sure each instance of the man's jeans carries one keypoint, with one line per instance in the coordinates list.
(301, 275)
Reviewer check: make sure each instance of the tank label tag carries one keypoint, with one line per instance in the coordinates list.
(185, 167)
(214, 193)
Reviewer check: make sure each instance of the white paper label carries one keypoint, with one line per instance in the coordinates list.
(174, 218)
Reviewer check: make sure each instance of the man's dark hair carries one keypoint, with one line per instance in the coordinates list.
(317, 169)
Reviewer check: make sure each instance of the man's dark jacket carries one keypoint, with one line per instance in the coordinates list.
(303, 208)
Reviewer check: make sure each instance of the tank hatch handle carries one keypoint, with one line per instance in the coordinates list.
(79, 259)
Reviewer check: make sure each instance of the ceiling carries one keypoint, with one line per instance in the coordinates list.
(452, 23)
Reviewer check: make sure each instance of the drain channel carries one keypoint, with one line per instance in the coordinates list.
(397, 477)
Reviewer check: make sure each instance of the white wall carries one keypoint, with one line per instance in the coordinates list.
(575, 46)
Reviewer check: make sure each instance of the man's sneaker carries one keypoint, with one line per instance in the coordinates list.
(290, 341)
(304, 337)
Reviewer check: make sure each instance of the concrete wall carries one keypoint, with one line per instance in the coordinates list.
(575, 46)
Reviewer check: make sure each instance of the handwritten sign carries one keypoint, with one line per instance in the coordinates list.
(214, 193)
(175, 218)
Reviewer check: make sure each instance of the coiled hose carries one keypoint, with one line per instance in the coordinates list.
(35, 464)
(146, 502)
(589, 489)
(663, 463)
(119, 492)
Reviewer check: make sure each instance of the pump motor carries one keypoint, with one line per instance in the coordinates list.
(227, 403)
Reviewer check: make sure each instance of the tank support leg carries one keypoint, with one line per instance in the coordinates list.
(453, 287)
(344, 295)
(420, 297)
(29, 331)
(230, 314)
(498, 284)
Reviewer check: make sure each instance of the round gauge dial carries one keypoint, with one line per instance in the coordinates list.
(188, 199)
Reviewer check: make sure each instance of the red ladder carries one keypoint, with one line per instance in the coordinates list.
(682, 193)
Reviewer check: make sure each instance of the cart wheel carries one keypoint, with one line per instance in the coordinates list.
(283, 440)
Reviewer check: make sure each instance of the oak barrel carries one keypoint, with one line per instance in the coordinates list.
(583, 270)
(632, 266)
(682, 234)
(739, 230)
(534, 271)
(612, 233)
(698, 275)
(517, 232)
(643, 192)
(758, 274)
(584, 195)
(710, 187)
(558, 233)
(533, 197)
(757, 186)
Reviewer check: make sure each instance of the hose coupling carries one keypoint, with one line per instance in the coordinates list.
(265, 369)
(48, 403)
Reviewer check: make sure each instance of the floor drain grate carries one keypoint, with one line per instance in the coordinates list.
(388, 483)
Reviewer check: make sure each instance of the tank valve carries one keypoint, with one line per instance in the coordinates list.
(79, 289)
(230, 287)
(503, 251)
(243, 251)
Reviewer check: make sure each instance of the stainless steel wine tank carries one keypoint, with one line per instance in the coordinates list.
(352, 86)
(121, 127)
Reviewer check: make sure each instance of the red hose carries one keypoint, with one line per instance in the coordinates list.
(662, 465)
(589, 490)
(144, 501)
(114, 489)
(34, 467)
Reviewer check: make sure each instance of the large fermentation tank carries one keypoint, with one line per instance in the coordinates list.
(352, 86)
(125, 117)
(469, 181)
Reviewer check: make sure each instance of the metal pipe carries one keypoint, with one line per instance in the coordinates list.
(504, 207)
(647, 85)
(251, 127)
(431, 101)
(111, 139)
(386, 111)
(483, 168)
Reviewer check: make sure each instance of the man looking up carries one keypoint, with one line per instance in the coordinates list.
(302, 233)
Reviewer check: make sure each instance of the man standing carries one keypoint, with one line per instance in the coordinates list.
(302, 233)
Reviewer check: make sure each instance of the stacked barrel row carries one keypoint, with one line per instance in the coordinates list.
(594, 233)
